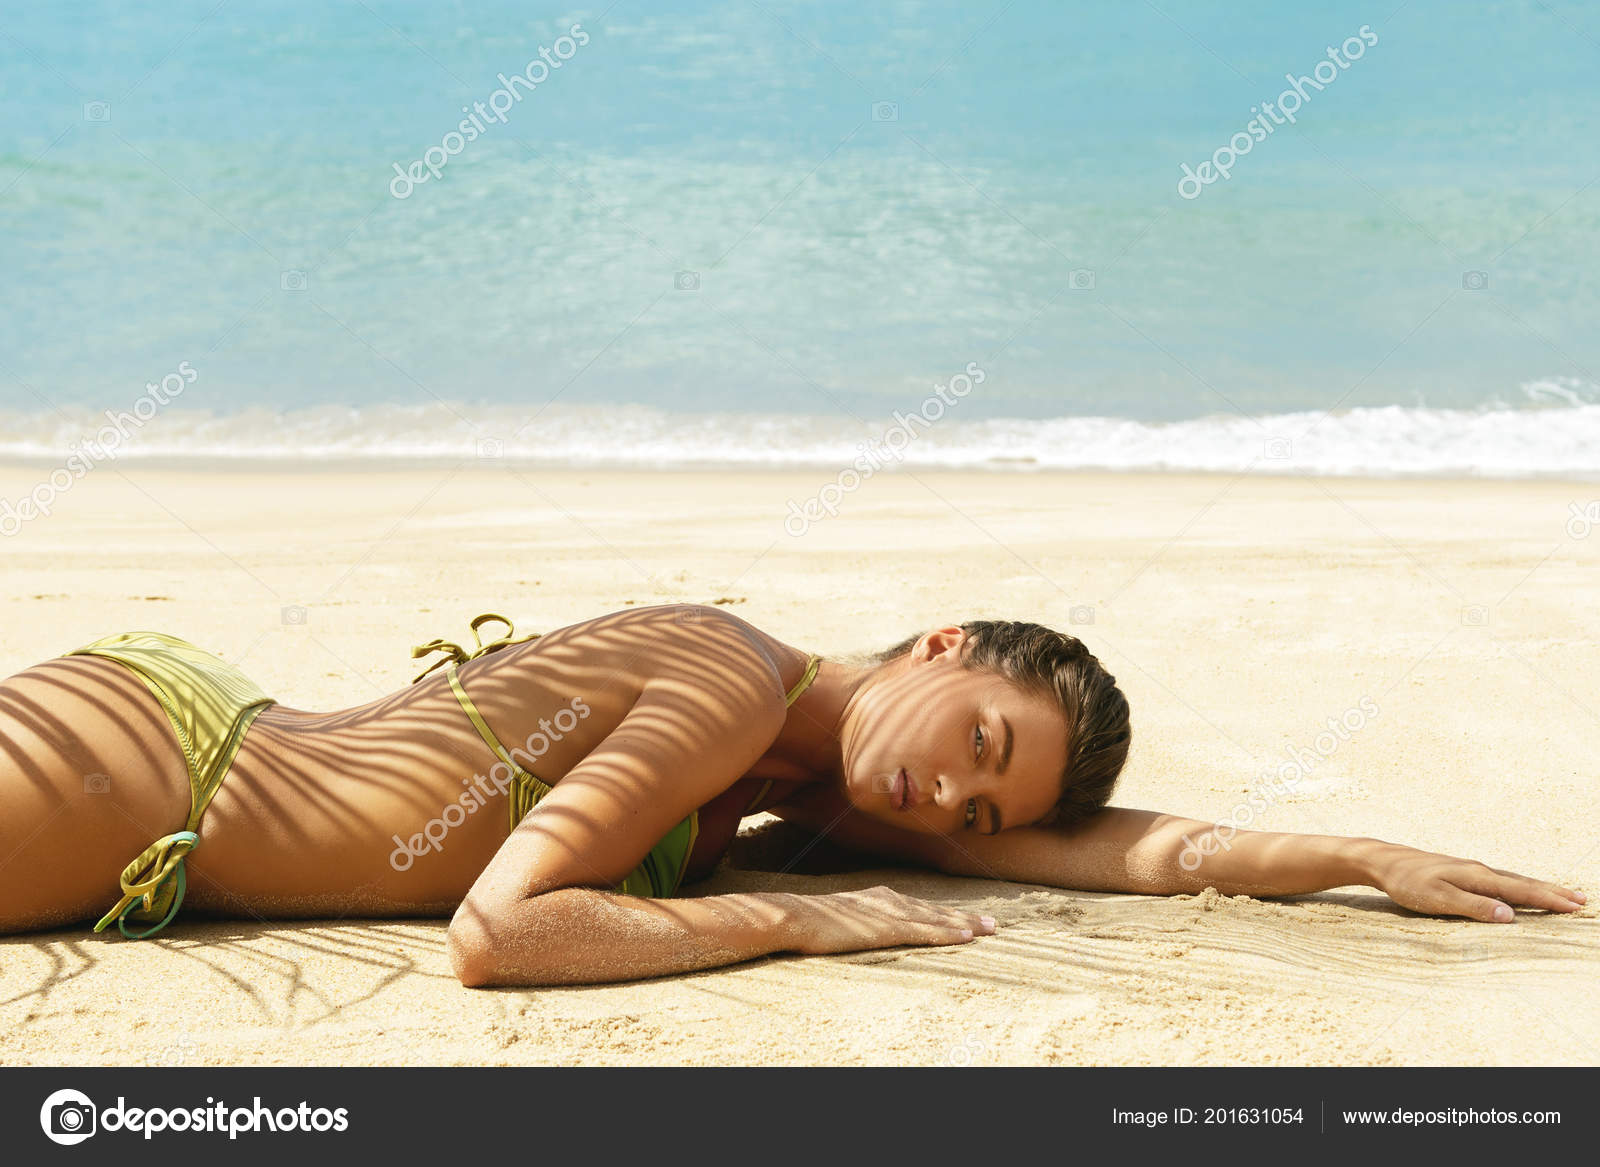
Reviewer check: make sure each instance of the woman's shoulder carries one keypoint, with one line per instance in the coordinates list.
(691, 639)
(697, 650)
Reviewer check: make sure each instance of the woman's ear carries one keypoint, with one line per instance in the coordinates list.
(946, 641)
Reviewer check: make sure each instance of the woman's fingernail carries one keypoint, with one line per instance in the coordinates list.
(1502, 914)
(986, 921)
(966, 933)
(1580, 897)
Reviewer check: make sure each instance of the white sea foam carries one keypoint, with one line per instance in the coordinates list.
(1497, 441)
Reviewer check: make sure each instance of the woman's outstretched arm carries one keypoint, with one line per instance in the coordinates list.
(1151, 853)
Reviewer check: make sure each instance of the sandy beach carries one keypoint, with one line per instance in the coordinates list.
(1240, 614)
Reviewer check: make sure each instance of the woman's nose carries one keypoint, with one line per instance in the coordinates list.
(951, 789)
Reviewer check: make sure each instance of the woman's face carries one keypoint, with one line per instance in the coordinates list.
(939, 749)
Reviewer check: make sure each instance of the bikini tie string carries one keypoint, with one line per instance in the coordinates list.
(455, 654)
(143, 882)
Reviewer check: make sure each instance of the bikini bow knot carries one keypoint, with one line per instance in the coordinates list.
(143, 883)
(455, 654)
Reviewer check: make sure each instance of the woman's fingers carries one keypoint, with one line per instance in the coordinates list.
(1477, 907)
(965, 923)
(940, 934)
(880, 917)
(1518, 889)
(1540, 894)
(1488, 893)
(938, 914)
(921, 922)
(936, 926)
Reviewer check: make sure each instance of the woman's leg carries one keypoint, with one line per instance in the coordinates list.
(91, 773)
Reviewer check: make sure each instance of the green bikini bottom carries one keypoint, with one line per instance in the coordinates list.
(210, 704)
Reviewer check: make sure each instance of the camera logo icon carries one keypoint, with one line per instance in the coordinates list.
(1277, 448)
(1081, 614)
(965, 1053)
(1474, 281)
(1475, 616)
(1583, 519)
(687, 281)
(1081, 279)
(293, 280)
(97, 783)
(884, 783)
(97, 111)
(885, 111)
(68, 1117)
(294, 614)
(491, 448)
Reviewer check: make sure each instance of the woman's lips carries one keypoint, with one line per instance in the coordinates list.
(902, 793)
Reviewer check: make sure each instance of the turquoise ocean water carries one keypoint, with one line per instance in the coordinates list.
(750, 232)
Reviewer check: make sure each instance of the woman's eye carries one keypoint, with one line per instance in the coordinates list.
(972, 811)
(978, 736)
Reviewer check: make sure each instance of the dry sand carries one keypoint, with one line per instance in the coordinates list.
(1239, 614)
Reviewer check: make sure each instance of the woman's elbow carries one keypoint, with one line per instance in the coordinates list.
(505, 940)
(469, 945)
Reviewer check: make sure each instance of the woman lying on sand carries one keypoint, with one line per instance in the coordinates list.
(987, 749)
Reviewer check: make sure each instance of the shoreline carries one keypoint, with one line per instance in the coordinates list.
(384, 464)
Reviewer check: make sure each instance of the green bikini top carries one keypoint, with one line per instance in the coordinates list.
(661, 872)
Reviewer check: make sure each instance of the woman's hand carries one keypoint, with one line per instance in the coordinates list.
(879, 917)
(1441, 886)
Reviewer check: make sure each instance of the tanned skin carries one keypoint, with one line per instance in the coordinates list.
(640, 717)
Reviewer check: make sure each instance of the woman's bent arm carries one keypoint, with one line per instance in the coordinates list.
(579, 935)
(537, 913)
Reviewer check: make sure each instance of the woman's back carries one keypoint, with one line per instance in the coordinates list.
(395, 807)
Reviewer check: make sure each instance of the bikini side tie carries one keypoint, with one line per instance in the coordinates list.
(457, 655)
(143, 880)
